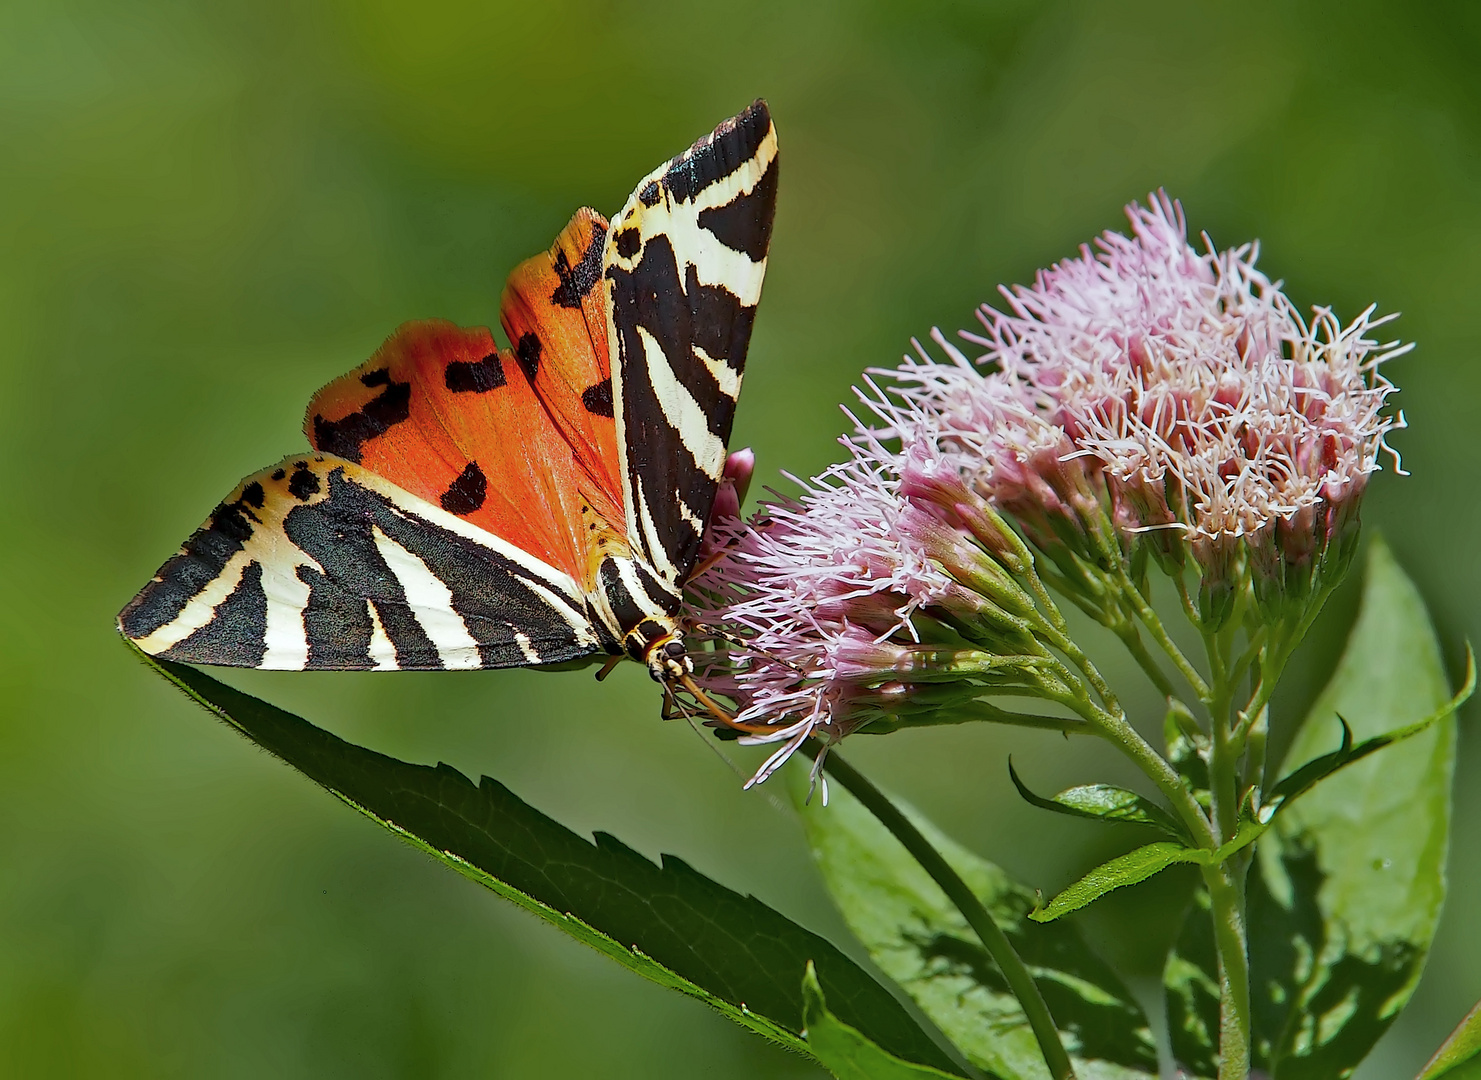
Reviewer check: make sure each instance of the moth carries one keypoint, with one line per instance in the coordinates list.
(466, 505)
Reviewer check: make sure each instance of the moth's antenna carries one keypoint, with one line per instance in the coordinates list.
(680, 709)
(709, 631)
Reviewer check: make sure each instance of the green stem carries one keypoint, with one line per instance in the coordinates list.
(1190, 609)
(991, 935)
(1160, 635)
(1223, 771)
(1225, 882)
(1148, 663)
(1226, 897)
(1254, 750)
(1115, 729)
(1092, 675)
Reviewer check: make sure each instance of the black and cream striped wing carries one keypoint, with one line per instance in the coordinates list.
(318, 563)
(684, 262)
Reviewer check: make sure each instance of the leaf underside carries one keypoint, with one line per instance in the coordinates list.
(919, 939)
(1345, 890)
(847, 1053)
(666, 922)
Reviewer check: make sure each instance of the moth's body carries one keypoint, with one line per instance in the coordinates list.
(466, 506)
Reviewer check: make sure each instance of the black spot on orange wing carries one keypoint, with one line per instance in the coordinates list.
(278, 474)
(478, 377)
(466, 494)
(254, 495)
(598, 398)
(346, 436)
(576, 281)
(378, 377)
(303, 485)
(744, 223)
(527, 352)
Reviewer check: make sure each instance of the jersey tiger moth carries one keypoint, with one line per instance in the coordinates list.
(471, 506)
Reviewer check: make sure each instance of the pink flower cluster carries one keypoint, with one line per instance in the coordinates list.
(1145, 395)
(823, 588)
(1179, 388)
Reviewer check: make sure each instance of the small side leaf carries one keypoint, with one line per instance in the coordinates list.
(1103, 802)
(843, 1050)
(919, 939)
(1459, 1057)
(667, 922)
(1345, 890)
(1304, 778)
(1128, 869)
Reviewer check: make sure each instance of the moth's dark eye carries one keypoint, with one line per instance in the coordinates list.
(674, 648)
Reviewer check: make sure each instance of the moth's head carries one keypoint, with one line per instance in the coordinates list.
(668, 660)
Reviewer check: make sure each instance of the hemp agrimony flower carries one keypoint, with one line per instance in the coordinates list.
(1144, 402)
(852, 598)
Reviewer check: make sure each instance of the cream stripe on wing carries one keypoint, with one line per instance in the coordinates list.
(526, 646)
(200, 609)
(381, 650)
(431, 604)
(285, 636)
(657, 554)
(683, 413)
(726, 377)
(415, 509)
(688, 514)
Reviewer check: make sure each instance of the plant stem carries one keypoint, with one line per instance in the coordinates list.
(1225, 882)
(1160, 635)
(1115, 729)
(1226, 900)
(1223, 770)
(957, 890)
(1134, 645)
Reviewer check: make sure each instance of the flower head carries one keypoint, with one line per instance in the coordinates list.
(1144, 399)
(1178, 391)
(846, 599)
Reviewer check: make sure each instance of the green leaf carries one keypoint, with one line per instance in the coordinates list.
(666, 922)
(1102, 802)
(1128, 869)
(847, 1053)
(1318, 769)
(1345, 890)
(1459, 1057)
(918, 938)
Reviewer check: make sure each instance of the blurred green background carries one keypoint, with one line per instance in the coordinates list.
(208, 210)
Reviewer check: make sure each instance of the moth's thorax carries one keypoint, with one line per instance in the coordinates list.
(605, 541)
